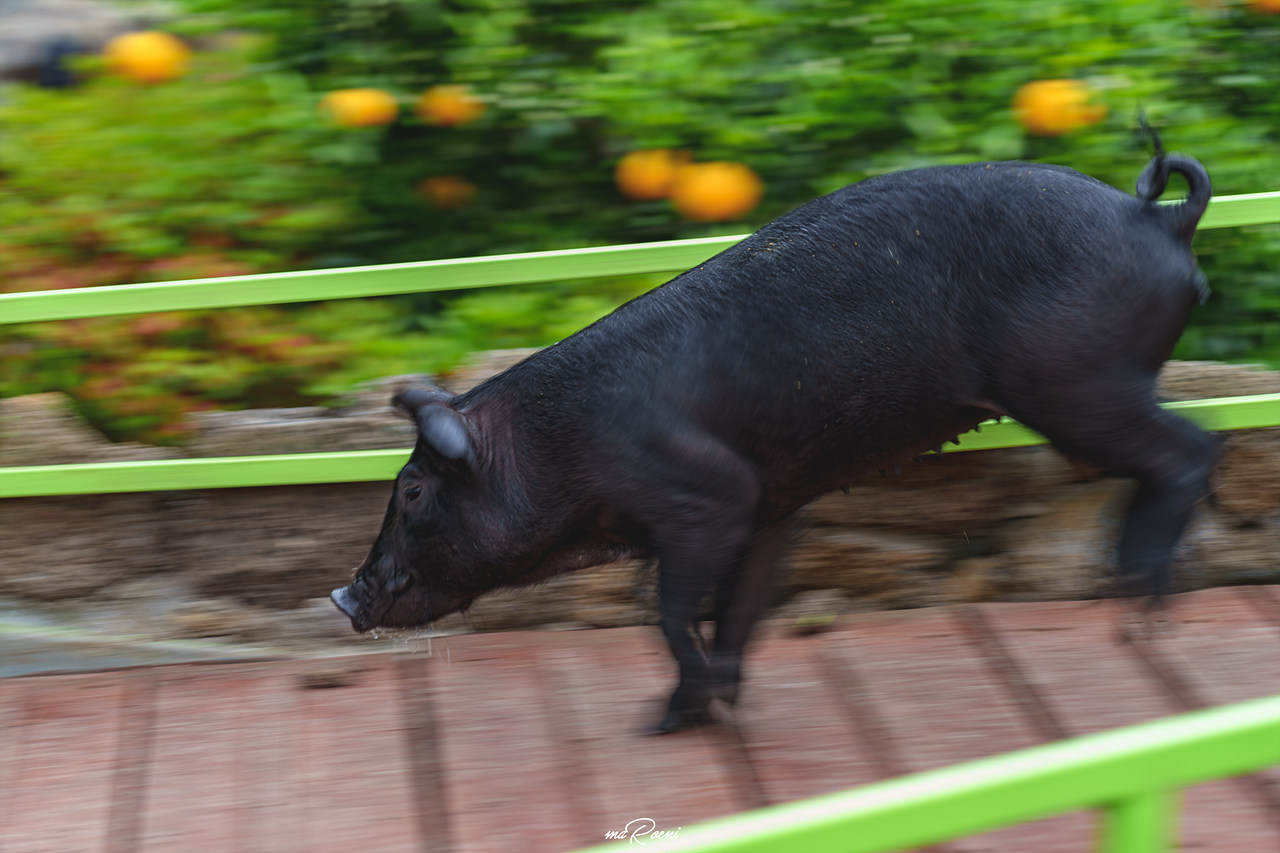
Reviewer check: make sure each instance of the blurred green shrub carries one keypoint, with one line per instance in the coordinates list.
(219, 172)
(232, 168)
(214, 174)
(813, 94)
(383, 341)
(139, 378)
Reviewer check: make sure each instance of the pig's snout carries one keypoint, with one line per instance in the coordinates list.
(342, 599)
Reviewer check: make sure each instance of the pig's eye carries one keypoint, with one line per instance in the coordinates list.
(413, 493)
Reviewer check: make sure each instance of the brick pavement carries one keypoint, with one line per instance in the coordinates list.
(530, 740)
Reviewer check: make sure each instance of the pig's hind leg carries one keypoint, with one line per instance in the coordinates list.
(1119, 426)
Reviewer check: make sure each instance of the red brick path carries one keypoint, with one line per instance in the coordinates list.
(528, 741)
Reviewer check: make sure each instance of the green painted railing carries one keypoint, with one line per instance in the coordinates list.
(534, 267)
(425, 276)
(359, 466)
(1132, 774)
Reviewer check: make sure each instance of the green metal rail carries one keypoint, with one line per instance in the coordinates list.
(424, 276)
(1225, 413)
(534, 267)
(1133, 774)
(348, 282)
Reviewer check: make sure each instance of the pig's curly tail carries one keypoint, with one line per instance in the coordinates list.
(1155, 177)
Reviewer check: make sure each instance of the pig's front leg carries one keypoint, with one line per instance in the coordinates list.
(700, 520)
(677, 611)
(741, 599)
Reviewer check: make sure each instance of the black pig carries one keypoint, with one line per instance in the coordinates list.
(863, 328)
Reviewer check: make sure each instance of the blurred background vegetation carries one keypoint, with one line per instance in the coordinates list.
(226, 163)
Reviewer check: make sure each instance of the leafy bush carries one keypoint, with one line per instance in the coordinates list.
(383, 341)
(215, 174)
(140, 378)
(813, 94)
(232, 168)
(220, 172)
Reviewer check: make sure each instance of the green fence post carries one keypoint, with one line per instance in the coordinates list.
(1140, 824)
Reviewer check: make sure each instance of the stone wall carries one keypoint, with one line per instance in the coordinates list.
(255, 564)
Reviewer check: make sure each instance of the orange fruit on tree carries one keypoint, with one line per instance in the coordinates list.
(1267, 7)
(1055, 107)
(447, 192)
(715, 192)
(449, 105)
(360, 107)
(147, 57)
(648, 174)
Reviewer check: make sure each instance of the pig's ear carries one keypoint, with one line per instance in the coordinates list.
(442, 427)
(410, 400)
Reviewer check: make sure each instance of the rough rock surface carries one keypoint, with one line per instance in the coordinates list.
(56, 548)
(44, 429)
(255, 564)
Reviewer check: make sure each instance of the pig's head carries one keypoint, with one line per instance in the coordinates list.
(431, 556)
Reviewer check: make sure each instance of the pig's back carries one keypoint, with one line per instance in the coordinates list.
(865, 275)
(856, 320)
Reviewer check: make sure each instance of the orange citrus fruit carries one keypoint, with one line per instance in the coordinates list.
(447, 192)
(360, 107)
(449, 105)
(1267, 7)
(648, 174)
(1055, 107)
(715, 192)
(148, 57)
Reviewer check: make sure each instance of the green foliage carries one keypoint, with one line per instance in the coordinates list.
(214, 174)
(813, 94)
(382, 342)
(140, 378)
(232, 169)
(218, 168)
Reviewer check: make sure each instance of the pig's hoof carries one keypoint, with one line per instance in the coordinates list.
(724, 674)
(1144, 589)
(688, 708)
(680, 720)
(725, 692)
(1143, 620)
